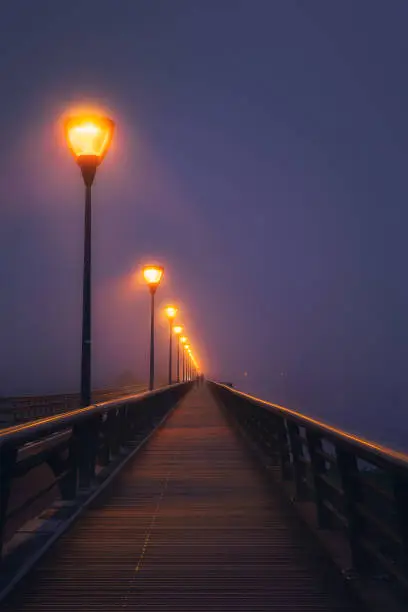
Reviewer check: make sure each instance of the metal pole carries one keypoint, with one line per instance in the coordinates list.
(86, 306)
(178, 358)
(151, 376)
(170, 350)
(184, 365)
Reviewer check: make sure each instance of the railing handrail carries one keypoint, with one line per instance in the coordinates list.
(358, 488)
(71, 394)
(366, 446)
(26, 432)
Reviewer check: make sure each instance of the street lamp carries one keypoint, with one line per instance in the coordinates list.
(152, 276)
(171, 312)
(189, 364)
(185, 364)
(177, 330)
(183, 341)
(88, 138)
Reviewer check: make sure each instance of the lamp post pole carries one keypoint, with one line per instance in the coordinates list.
(152, 276)
(177, 329)
(171, 312)
(183, 369)
(151, 368)
(88, 173)
(170, 349)
(178, 358)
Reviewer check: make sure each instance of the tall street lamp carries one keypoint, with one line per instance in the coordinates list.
(152, 276)
(190, 364)
(177, 330)
(88, 138)
(171, 312)
(185, 361)
(183, 341)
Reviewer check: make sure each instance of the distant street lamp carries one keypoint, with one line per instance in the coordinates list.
(171, 312)
(183, 341)
(185, 361)
(152, 276)
(189, 364)
(89, 138)
(177, 330)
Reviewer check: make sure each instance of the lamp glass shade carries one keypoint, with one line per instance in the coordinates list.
(153, 275)
(171, 312)
(89, 137)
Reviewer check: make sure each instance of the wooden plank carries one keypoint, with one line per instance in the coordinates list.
(190, 524)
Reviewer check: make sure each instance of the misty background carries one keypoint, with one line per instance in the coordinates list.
(260, 155)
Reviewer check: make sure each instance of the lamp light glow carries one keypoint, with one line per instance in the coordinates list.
(89, 137)
(153, 275)
(171, 312)
(177, 329)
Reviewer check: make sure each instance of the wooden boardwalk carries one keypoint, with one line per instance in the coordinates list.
(191, 524)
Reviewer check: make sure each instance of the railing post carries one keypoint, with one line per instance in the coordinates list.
(265, 437)
(115, 426)
(298, 462)
(103, 442)
(318, 468)
(348, 471)
(8, 458)
(86, 436)
(400, 490)
(283, 449)
(67, 468)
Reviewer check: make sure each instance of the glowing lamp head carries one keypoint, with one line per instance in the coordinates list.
(183, 339)
(171, 312)
(187, 347)
(178, 329)
(153, 276)
(89, 138)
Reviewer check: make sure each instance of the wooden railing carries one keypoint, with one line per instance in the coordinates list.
(358, 487)
(69, 448)
(27, 408)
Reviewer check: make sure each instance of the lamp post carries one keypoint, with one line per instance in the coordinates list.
(88, 138)
(183, 341)
(189, 365)
(185, 361)
(188, 362)
(177, 330)
(152, 276)
(171, 312)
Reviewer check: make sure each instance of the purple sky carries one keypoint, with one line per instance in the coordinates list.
(260, 154)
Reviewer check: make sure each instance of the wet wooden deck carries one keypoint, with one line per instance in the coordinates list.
(190, 524)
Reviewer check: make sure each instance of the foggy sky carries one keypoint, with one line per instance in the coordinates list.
(260, 155)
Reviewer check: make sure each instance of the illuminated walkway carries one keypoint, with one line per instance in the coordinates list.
(190, 524)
